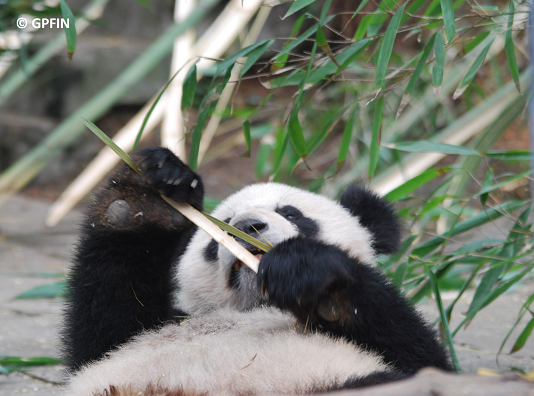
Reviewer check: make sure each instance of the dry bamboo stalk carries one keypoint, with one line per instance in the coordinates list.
(172, 126)
(216, 233)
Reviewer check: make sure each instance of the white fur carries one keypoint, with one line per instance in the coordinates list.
(236, 353)
(204, 285)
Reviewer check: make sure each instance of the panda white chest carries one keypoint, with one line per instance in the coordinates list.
(231, 352)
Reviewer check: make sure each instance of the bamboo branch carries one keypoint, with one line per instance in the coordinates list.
(216, 233)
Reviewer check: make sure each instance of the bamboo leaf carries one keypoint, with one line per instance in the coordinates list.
(70, 32)
(7, 361)
(197, 135)
(466, 225)
(420, 65)
(433, 147)
(298, 5)
(254, 55)
(523, 337)
(111, 144)
(439, 65)
(323, 44)
(443, 316)
(509, 47)
(513, 155)
(471, 73)
(246, 133)
(360, 7)
(238, 233)
(387, 48)
(414, 183)
(296, 135)
(448, 19)
(52, 290)
(281, 59)
(374, 150)
(189, 88)
(470, 46)
(345, 141)
(223, 66)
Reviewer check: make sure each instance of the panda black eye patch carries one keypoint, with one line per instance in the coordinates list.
(210, 252)
(306, 226)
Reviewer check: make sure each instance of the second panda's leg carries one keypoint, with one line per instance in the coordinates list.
(334, 293)
(121, 281)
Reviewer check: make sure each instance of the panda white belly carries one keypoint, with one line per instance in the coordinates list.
(227, 352)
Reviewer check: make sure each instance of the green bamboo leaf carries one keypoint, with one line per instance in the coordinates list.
(223, 66)
(345, 141)
(281, 59)
(420, 65)
(70, 32)
(513, 155)
(491, 187)
(362, 27)
(444, 321)
(394, 258)
(254, 55)
(509, 47)
(238, 233)
(433, 203)
(111, 144)
(52, 290)
(7, 361)
(414, 183)
(149, 113)
(189, 88)
(320, 39)
(374, 149)
(471, 73)
(296, 135)
(144, 3)
(197, 135)
(387, 48)
(246, 133)
(448, 19)
(298, 5)
(425, 146)
(470, 46)
(360, 7)
(439, 65)
(483, 290)
(466, 225)
(523, 337)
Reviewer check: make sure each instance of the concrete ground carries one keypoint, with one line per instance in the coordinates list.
(30, 253)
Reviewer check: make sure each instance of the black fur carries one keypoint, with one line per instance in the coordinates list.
(121, 281)
(300, 273)
(375, 214)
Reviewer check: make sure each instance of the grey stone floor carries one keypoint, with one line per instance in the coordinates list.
(28, 251)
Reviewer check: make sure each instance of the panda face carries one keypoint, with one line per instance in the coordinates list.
(209, 276)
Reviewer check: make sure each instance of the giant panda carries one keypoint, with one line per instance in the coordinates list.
(157, 307)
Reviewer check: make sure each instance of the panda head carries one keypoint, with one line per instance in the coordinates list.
(210, 277)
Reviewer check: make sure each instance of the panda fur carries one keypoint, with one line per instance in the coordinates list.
(318, 316)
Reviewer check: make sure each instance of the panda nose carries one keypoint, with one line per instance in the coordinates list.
(251, 227)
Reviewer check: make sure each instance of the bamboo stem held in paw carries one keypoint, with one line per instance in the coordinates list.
(216, 233)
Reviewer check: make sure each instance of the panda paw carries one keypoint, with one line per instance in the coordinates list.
(304, 276)
(167, 174)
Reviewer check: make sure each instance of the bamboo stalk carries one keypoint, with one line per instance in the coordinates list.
(226, 95)
(172, 126)
(216, 233)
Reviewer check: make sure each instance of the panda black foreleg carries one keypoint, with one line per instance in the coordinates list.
(121, 281)
(331, 292)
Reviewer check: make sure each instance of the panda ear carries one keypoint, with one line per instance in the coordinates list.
(375, 214)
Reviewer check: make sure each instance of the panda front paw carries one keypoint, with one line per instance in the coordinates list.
(167, 174)
(304, 276)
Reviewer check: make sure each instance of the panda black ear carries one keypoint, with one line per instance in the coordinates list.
(375, 214)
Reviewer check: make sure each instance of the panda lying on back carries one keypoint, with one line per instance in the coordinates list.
(122, 334)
